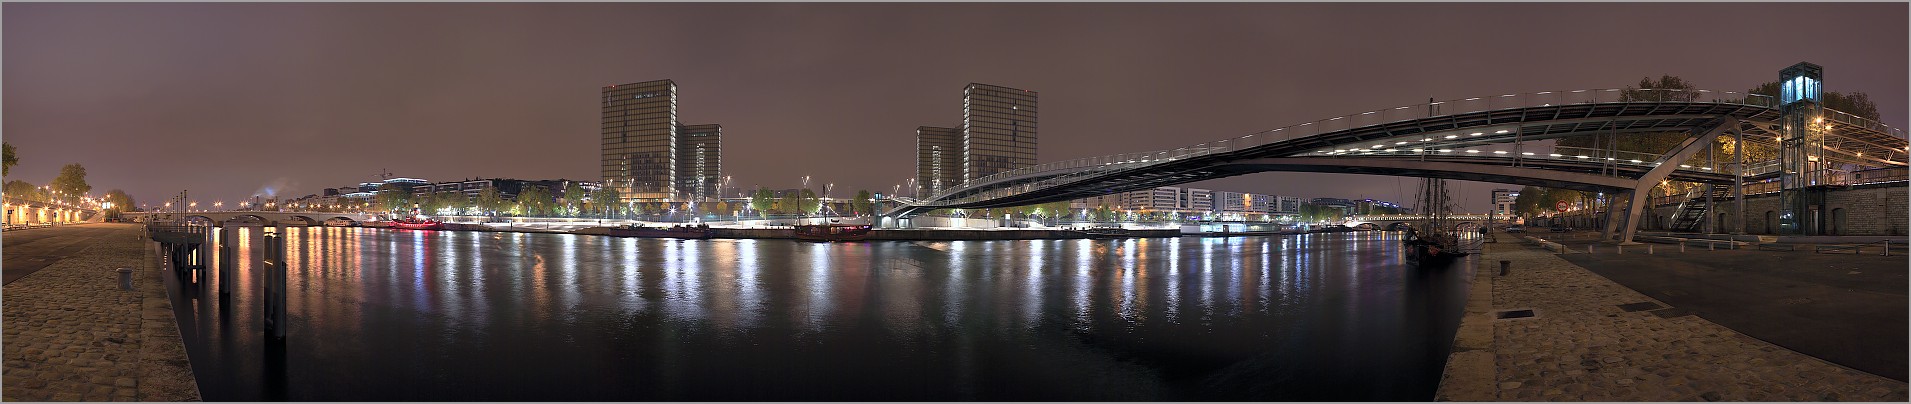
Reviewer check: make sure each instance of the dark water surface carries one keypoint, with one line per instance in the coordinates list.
(466, 316)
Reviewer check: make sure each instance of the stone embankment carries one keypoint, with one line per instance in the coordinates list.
(1590, 339)
(72, 335)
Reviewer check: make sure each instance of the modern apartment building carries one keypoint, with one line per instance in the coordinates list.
(648, 154)
(998, 133)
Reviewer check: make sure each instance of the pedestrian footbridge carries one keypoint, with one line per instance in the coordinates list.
(1510, 138)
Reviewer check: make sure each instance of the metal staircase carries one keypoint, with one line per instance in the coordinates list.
(1691, 213)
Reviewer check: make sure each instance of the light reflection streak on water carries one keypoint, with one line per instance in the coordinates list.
(956, 297)
(631, 296)
(1171, 302)
(568, 275)
(1032, 282)
(1265, 294)
(819, 286)
(419, 295)
(749, 283)
(540, 294)
(722, 294)
(1236, 297)
(480, 288)
(1207, 284)
(1084, 278)
(682, 284)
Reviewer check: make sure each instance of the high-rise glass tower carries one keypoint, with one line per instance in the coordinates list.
(648, 155)
(998, 130)
(998, 133)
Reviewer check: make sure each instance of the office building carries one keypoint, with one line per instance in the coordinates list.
(651, 156)
(1503, 202)
(998, 133)
(699, 167)
(938, 159)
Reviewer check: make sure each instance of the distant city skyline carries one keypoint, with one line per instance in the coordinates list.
(228, 100)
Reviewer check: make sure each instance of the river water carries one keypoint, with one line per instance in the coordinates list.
(398, 315)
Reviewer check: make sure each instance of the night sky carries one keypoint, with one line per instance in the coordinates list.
(229, 100)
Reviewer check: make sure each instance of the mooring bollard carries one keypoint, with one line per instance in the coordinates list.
(1648, 249)
(1505, 266)
(1589, 248)
(125, 279)
(1887, 248)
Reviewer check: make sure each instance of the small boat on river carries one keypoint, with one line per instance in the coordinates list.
(832, 232)
(679, 231)
(417, 223)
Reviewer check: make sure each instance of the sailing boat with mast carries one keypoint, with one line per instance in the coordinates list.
(1437, 241)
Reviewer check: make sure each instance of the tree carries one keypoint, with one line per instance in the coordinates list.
(122, 202)
(788, 203)
(604, 201)
(861, 205)
(808, 203)
(393, 197)
(574, 197)
(71, 183)
(448, 200)
(762, 201)
(490, 201)
(534, 200)
(7, 163)
(23, 190)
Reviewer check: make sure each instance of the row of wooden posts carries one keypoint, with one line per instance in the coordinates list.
(185, 249)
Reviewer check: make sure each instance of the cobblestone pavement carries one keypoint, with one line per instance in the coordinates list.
(1582, 346)
(72, 335)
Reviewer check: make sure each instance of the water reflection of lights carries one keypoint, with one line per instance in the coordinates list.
(1084, 277)
(1032, 281)
(420, 297)
(683, 297)
(567, 265)
(631, 297)
(1265, 295)
(819, 286)
(749, 282)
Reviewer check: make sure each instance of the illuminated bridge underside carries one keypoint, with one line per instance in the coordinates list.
(1495, 127)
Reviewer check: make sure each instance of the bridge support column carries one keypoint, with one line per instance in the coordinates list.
(1700, 139)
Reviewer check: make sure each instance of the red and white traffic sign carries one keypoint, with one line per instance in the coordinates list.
(1561, 206)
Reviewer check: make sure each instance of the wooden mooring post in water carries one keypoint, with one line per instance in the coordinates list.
(225, 261)
(273, 261)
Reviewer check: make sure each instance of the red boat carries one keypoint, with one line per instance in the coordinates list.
(832, 232)
(417, 223)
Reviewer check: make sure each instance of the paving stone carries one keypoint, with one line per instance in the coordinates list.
(72, 335)
(1582, 347)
